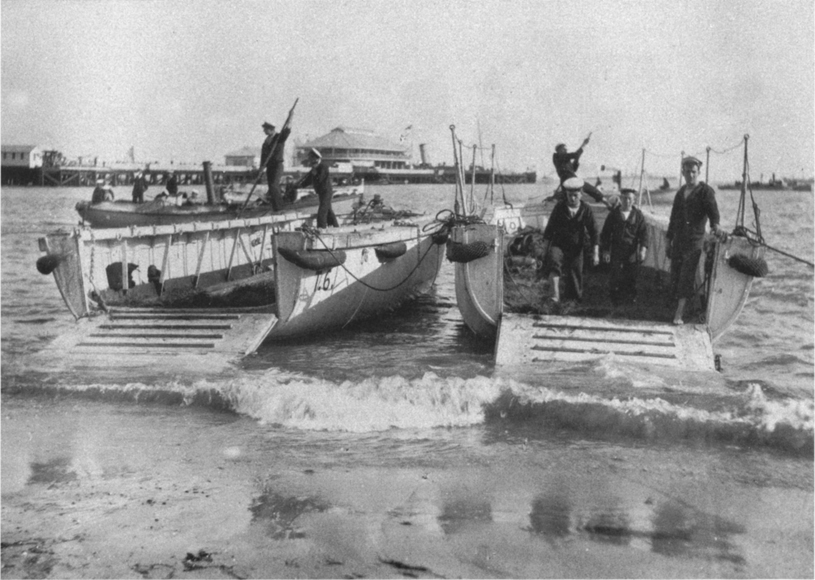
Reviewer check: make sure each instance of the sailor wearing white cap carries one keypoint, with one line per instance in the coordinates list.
(564, 240)
(320, 179)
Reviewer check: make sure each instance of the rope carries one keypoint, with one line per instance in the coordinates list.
(758, 241)
(316, 235)
(729, 149)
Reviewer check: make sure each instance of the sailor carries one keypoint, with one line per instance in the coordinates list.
(139, 187)
(566, 165)
(564, 240)
(172, 183)
(319, 178)
(271, 153)
(101, 192)
(624, 242)
(694, 205)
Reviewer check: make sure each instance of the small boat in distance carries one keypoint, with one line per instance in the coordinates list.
(164, 211)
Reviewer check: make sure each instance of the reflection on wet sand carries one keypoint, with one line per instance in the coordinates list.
(676, 529)
(276, 513)
(462, 512)
(56, 470)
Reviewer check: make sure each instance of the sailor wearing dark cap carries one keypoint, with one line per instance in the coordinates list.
(320, 179)
(271, 157)
(566, 165)
(694, 205)
(624, 243)
(570, 223)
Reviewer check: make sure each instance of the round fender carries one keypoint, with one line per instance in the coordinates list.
(314, 259)
(48, 263)
(756, 267)
(463, 253)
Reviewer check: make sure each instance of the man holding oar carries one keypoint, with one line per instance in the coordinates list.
(272, 153)
(566, 165)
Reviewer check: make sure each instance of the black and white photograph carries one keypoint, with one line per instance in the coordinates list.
(407, 289)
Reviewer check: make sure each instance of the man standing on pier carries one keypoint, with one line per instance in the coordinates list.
(566, 165)
(271, 155)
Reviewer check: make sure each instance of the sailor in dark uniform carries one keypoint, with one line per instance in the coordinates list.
(694, 205)
(320, 179)
(271, 153)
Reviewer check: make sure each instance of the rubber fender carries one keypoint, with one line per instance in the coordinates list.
(48, 263)
(390, 251)
(441, 237)
(756, 267)
(463, 253)
(313, 259)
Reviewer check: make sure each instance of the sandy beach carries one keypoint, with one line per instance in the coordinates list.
(94, 490)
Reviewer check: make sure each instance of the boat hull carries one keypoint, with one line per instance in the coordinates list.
(120, 214)
(366, 284)
(479, 282)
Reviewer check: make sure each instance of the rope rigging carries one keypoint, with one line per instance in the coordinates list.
(437, 223)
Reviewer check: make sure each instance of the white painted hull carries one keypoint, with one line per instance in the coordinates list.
(214, 266)
(480, 283)
(313, 301)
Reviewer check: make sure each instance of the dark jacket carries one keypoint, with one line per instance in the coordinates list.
(622, 236)
(566, 164)
(139, 187)
(269, 143)
(319, 178)
(172, 185)
(569, 233)
(686, 230)
(98, 195)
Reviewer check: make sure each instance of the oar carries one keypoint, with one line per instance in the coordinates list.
(275, 143)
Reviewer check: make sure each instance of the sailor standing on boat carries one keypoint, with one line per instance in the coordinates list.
(694, 204)
(624, 241)
(271, 153)
(566, 165)
(101, 192)
(139, 187)
(319, 178)
(564, 241)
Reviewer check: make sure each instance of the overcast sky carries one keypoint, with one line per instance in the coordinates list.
(190, 80)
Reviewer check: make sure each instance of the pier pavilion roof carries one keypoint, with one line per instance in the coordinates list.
(349, 138)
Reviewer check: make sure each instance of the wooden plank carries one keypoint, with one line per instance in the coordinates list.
(207, 340)
(532, 341)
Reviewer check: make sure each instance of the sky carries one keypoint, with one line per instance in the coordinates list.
(192, 80)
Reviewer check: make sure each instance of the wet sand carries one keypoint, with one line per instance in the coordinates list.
(94, 490)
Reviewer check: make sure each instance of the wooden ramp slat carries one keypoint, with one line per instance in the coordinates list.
(525, 340)
(199, 342)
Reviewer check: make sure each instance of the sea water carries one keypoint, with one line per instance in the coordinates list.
(401, 424)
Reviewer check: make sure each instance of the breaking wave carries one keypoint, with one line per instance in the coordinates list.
(750, 416)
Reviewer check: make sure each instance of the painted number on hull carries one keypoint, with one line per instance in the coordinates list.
(323, 282)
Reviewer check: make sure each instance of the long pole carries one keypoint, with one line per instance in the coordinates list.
(459, 186)
(472, 183)
(707, 165)
(269, 156)
(492, 174)
(642, 172)
(743, 199)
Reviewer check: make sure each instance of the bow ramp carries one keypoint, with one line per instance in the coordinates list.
(533, 341)
(194, 340)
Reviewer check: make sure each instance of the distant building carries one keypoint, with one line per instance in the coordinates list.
(362, 148)
(28, 156)
(246, 157)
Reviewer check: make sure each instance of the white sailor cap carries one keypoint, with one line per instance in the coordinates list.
(573, 183)
(314, 153)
